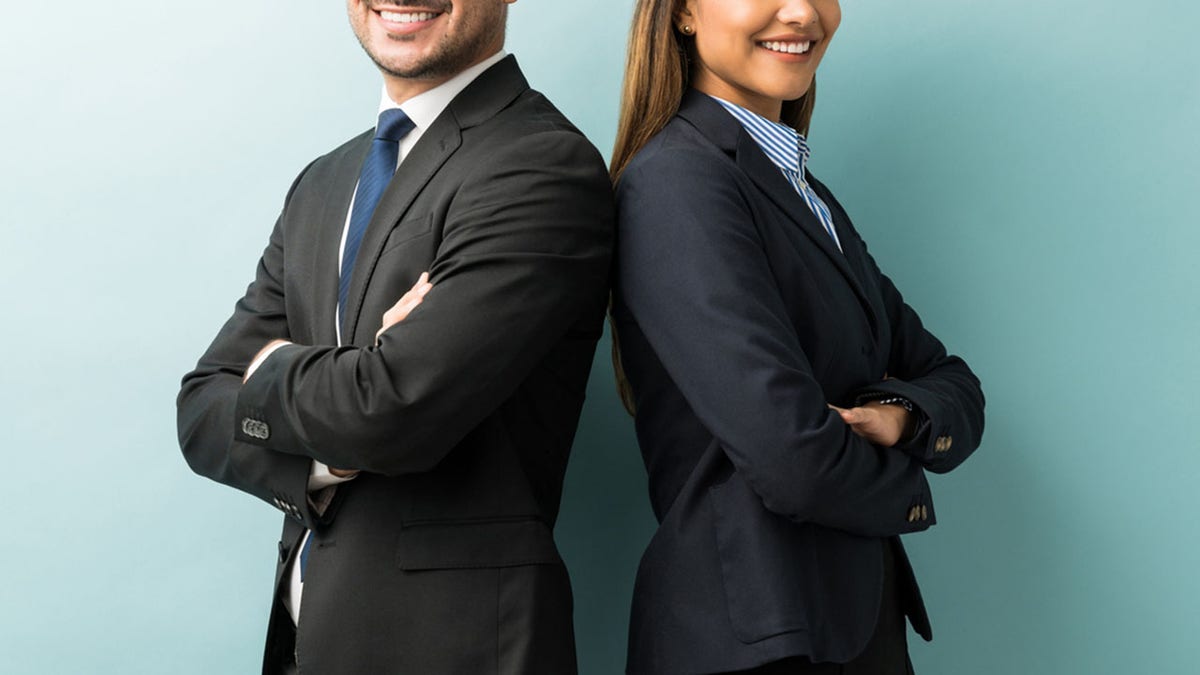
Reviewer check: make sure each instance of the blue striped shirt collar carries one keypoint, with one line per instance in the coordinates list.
(783, 145)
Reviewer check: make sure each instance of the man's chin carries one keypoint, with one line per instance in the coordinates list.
(413, 70)
(407, 63)
(424, 66)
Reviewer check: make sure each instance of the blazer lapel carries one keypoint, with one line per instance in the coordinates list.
(332, 226)
(771, 181)
(855, 254)
(727, 133)
(422, 162)
(490, 93)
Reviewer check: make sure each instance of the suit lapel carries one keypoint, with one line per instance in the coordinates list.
(853, 248)
(727, 133)
(422, 162)
(772, 182)
(491, 92)
(333, 224)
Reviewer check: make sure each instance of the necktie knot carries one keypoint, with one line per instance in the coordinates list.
(393, 125)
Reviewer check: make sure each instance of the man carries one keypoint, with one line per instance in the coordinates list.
(418, 448)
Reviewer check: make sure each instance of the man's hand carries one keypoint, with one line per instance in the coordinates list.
(880, 424)
(406, 304)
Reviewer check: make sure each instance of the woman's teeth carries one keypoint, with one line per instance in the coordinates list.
(787, 47)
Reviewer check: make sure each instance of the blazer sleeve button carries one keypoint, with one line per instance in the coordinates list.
(256, 428)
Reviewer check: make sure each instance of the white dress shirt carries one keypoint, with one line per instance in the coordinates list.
(422, 109)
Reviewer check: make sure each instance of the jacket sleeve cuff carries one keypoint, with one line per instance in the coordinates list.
(284, 482)
(258, 414)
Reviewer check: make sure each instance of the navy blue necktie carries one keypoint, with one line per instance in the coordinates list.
(376, 173)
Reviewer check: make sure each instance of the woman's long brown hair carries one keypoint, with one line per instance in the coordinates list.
(657, 74)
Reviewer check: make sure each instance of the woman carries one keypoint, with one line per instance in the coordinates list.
(788, 403)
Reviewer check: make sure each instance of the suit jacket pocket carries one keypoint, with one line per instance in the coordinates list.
(761, 564)
(466, 545)
(782, 576)
(407, 229)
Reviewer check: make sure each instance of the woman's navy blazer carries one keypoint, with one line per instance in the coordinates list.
(739, 321)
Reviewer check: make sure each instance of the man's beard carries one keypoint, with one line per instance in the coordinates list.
(450, 57)
(447, 60)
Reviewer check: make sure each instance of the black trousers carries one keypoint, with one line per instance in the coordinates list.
(886, 653)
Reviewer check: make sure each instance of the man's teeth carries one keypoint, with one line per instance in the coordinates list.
(787, 47)
(406, 17)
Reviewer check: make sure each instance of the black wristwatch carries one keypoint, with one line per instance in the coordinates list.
(894, 400)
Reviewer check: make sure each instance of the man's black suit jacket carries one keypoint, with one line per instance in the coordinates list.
(739, 321)
(439, 557)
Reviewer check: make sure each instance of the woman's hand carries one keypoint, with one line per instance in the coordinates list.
(879, 423)
(406, 304)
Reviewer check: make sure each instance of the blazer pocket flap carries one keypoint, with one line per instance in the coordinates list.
(439, 546)
(409, 228)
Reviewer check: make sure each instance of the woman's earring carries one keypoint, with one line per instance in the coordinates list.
(687, 30)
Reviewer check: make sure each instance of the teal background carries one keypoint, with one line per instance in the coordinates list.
(1026, 171)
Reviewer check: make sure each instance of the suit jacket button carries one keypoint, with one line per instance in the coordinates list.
(283, 553)
(256, 428)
